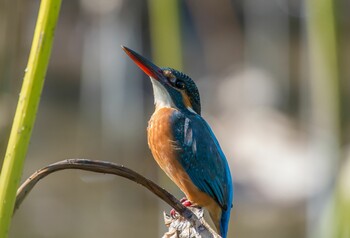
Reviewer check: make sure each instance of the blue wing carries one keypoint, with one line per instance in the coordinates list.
(202, 157)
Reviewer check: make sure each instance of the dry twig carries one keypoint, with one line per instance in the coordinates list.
(191, 226)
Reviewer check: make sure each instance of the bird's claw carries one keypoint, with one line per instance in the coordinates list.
(185, 202)
(183, 199)
(173, 213)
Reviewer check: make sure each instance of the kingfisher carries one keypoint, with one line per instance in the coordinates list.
(183, 144)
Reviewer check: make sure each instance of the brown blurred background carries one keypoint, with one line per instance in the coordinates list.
(283, 123)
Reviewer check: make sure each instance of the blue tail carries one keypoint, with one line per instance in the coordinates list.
(224, 222)
(225, 216)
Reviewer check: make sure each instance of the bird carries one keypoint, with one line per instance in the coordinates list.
(184, 145)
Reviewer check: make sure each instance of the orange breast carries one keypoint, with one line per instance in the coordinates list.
(164, 150)
(162, 145)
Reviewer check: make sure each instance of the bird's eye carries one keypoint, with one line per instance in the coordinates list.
(179, 84)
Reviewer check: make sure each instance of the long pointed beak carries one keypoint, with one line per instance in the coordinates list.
(147, 66)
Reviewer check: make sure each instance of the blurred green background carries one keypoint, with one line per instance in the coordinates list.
(274, 83)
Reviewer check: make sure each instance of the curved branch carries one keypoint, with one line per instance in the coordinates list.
(110, 168)
(100, 167)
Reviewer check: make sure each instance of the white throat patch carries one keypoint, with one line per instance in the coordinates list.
(161, 95)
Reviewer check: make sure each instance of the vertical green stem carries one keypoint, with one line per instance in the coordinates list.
(166, 32)
(341, 214)
(26, 109)
(323, 61)
(325, 93)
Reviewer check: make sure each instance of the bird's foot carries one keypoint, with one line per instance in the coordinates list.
(173, 213)
(185, 202)
(183, 199)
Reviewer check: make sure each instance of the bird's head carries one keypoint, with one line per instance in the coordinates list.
(171, 88)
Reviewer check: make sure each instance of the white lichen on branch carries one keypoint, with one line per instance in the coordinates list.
(180, 227)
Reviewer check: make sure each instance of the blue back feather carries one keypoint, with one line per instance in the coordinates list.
(204, 161)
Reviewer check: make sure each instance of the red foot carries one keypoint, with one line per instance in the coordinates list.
(183, 199)
(173, 213)
(184, 202)
(187, 203)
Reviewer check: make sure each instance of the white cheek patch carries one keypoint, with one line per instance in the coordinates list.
(161, 95)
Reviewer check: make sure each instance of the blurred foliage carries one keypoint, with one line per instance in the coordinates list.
(270, 89)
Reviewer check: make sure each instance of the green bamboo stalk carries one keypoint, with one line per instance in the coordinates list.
(26, 109)
(323, 62)
(341, 215)
(166, 32)
(325, 95)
